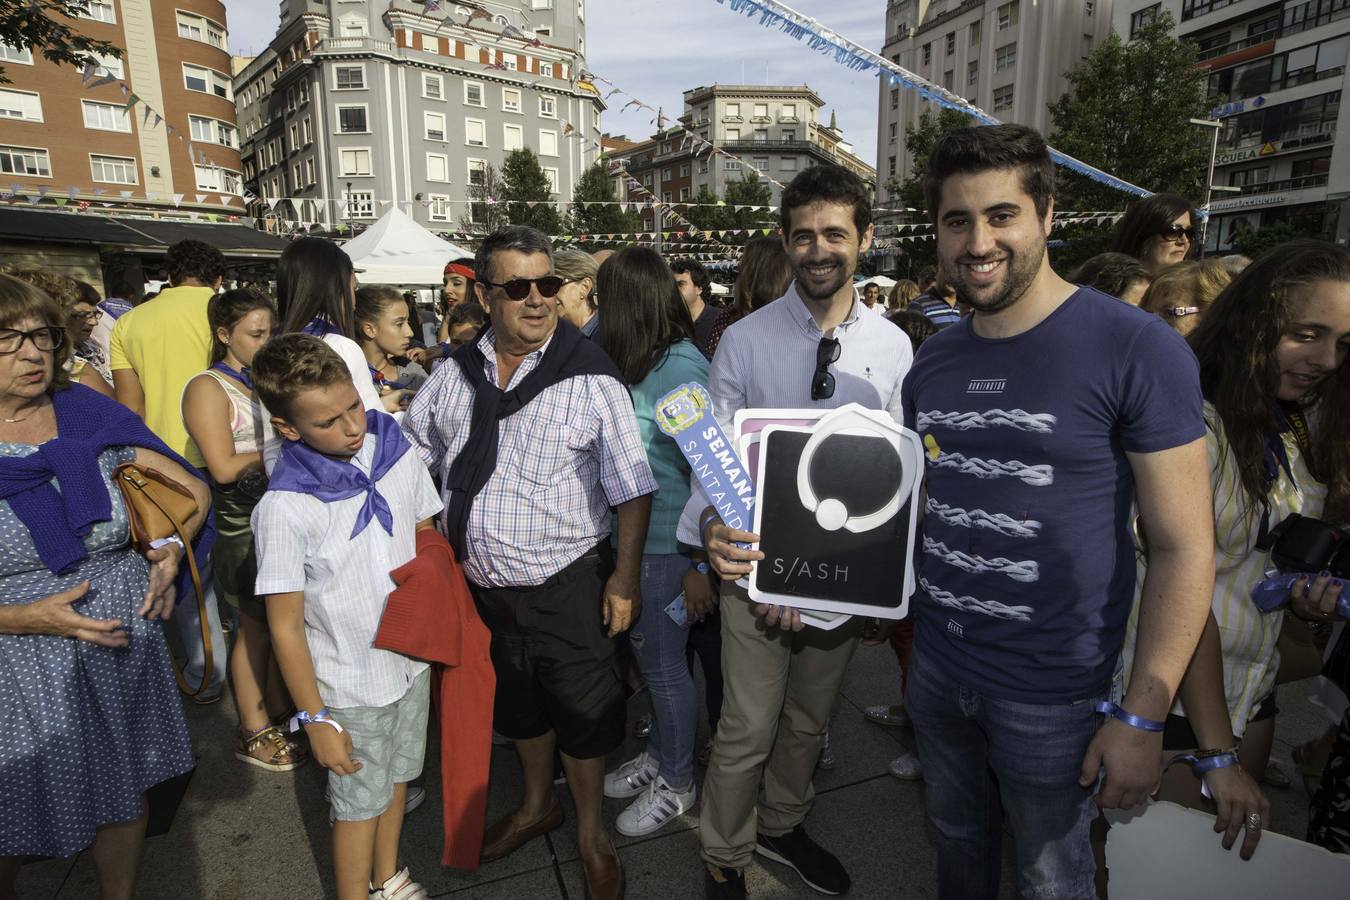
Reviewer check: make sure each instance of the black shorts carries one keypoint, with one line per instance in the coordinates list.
(557, 670)
(1178, 734)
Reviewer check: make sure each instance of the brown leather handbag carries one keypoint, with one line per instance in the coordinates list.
(157, 506)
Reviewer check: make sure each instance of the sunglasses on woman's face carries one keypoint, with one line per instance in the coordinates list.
(519, 288)
(1177, 232)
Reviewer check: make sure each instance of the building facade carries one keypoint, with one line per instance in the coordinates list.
(1006, 57)
(357, 105)
(1276, 73)
(175, 148)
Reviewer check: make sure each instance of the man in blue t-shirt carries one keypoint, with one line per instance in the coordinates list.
(1044, 416)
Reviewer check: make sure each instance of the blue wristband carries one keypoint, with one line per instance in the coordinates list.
(1117, 712)
(1201, 763)
(323, 716)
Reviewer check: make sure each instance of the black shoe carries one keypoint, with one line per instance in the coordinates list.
(723, 884)
(816, 865)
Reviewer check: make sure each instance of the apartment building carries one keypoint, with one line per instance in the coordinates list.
(175, 148)
(359, 105)
(1007, 57)
(1276, 73)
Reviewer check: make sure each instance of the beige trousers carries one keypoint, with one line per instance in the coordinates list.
(778, 691)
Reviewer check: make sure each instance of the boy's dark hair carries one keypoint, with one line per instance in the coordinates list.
(467, 313)
(225, 310)
(831, 183)
(521, 238)
(1148, 217)
(697, 274)
(1110, 273)
(915, 324)
(967, 151)
(291, 364)
(196, 260)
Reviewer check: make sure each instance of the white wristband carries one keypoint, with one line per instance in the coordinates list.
(166, 541)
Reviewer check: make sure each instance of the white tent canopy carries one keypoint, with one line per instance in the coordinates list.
(397, 250)
(880, 281)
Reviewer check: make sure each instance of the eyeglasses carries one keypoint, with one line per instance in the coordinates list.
(92, 315)
(45, 339)
(1176, 232)
(822, 382)
(519, 288)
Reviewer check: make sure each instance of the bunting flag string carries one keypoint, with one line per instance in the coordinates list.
(773, 14)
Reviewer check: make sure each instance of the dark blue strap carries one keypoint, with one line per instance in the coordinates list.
(1202, 764)
(1116, 711)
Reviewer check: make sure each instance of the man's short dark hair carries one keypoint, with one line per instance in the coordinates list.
(830, 183)
(194, 259)
(521, 238)
(697, 274)
(968, 151)
(291, 364)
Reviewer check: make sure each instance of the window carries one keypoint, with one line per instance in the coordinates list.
(206, 81)
(761, 136)
(733, 110)
(309, 171)
(473, 94)
(349, 78)
(438, 207)
(732, 165)
(947, 78)
(703, 167)
(1003, 98)
(355, 161)
(548, 143)
(789, 135)
(21, 55)
(975, 33)
(102, 11)
(927, 54)
(1089, 7)
(511, 100)
(895, 98)
(951, 42)
(647, 180)
(892, 165)
(761, 110)
(684, 194)
(1005, 57)
(761, 163)
(306, 131)
(25, 161)
(433, 86)
(22, 105)
(1143, 18)
(214, 131)
(667, 174)
(360, 204)
(890, 133)
(112, 65)
(475, 133)
(438, 167)
(1007, 15)
(477, 172)
(733, 134)
(788, 164)
(352, 120)
(113, 169)
(684, 170)
(789, 112)
(552, 175)
(972, 72)
(295, 176)
(548, 107)
(546, 69)
(197, 28)
(513, 137)
(433, 126)
(106, 116)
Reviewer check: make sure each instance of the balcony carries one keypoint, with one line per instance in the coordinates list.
(775, 146)
(1309, 136)
(1286, 184)
(1234, 46)
(356, 44)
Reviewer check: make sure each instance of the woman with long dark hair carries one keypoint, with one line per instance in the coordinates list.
(1272, 350)
(647, 331)
(1158, 231)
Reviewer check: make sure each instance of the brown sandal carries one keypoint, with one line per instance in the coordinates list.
(267, 748)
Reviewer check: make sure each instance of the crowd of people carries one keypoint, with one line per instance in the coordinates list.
(1137, 493)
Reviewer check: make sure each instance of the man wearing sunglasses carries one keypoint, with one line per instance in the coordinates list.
(817, 346)
(533, 434)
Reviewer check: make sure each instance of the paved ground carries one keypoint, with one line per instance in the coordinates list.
(243, 833)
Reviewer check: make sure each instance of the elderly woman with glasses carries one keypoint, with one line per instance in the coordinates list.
(90, 718)
(1159, 231)
(87, 363)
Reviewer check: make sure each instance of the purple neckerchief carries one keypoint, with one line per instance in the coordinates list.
(1272, 593)
(320, 327)
(241, 376)
(304, 470)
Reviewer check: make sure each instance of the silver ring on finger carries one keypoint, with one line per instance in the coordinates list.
(1253, 822)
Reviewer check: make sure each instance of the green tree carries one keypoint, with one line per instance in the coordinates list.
(704, 212)
(708, 214)
(486, 212)
(527, 192)
(921, 252)
(1256, 242)
(595, 210)
(50, 27)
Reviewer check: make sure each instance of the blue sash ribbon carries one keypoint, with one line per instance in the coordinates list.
(686, 415)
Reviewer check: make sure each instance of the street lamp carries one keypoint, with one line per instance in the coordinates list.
(1210, 186)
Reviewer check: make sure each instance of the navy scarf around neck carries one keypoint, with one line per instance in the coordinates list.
(304, 470)
(568, 355)
(87, 423)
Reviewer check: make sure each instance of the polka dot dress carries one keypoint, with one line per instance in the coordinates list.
(84, 730)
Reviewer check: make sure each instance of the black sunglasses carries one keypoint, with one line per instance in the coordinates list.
(45, 339)
(519, 288)
(822, 382)
(1176, 232)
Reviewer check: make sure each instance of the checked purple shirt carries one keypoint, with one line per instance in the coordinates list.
(563, 461)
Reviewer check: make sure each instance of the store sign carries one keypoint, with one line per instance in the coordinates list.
(1236, 156)
(1247, 202)
(1236, 107)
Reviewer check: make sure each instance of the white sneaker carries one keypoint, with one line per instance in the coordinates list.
(906, 767)
(399, 887)
(631, 778)
(657, 805)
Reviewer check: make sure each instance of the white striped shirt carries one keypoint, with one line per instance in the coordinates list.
(562, 461)
(303, 545)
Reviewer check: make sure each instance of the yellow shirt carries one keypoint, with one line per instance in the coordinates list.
(166, 342)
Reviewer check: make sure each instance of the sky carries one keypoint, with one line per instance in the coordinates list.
(655, 50)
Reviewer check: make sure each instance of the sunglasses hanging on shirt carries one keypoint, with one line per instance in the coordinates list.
(822, 382)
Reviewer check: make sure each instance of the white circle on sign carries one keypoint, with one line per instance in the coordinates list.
(831, 514)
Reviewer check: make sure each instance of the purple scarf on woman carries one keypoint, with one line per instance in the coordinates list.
(87, 423)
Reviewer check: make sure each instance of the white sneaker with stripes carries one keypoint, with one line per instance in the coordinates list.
(631, 778)
(399, 887)
(654, 808)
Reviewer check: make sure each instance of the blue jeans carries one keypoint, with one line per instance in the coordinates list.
(983, 757)
(658, 645)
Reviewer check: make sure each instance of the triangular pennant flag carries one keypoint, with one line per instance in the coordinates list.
(61, 201)
(71, 192)
(148, 113)
(131, 101)
(201, 198)
(214, 217)
(177, 199)
(42, 191)
(34, 200)
(101, 81)
(126, 195)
